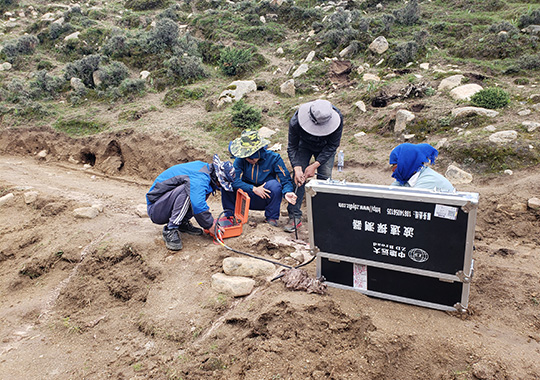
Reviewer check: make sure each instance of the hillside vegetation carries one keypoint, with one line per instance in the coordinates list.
(77, 67)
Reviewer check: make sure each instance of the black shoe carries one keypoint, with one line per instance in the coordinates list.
(172, 238)
(189, 228)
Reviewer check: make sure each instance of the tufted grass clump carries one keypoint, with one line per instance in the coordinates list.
(177, 96)
(245, 116)
(233, 61)
(144, 5)
(491, 98)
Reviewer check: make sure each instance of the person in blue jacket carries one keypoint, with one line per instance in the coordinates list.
(409, 168)
(180, 193)
(314, 133)
(262, 174)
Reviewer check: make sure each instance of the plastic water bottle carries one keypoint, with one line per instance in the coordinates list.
(340, 160)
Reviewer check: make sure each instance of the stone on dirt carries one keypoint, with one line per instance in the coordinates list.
(450, 82)
(247, 267)
(6, 198)
(402, 118)
(30, 197)
(534, 203)
(140, 210)
(457, 176)
(86, 212)
(465, 92)
(503, 137)
(379, 45)
(232, 285)
(466, 111)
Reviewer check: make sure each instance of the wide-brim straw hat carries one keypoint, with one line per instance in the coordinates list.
(247, 144)
(318, 117)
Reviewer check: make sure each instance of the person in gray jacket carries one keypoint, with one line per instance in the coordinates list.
(314, 133)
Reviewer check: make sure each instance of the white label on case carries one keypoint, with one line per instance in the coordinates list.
(446, 212)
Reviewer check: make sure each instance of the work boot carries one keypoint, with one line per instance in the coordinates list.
(172, 238)
(272, 222)
(189, 228)
(290, 227)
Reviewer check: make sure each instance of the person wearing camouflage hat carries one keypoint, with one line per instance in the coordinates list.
(262, 174)
(180, 193)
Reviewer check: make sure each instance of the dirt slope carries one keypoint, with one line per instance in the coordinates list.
(103, 298)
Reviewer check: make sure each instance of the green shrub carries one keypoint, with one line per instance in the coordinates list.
(234, 61)
(112, 75)
(83, 69)
(116, 46)
(245, 116)
(404, 54)
(409, 14)
(163, 36)
(17, 91)
(185, 69)
(491, 98)
(23, 45)
(7, 4)
(144, 5)
(533, 18)
(77, 127)
(56, 30)
(177, 96)
(45, 86)
(131, 87)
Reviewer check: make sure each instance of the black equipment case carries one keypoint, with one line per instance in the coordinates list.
(403, 244)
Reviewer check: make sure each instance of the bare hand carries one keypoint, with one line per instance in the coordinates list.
(291, 198)
(216, 232)
(261, 191)
(310, 171)
(299, 177)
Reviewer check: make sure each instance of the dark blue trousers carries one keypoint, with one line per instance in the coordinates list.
(269, 205)
(325, 171)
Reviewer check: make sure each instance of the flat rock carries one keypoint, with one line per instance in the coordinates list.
(379, 45)
(6, 198)
(232, 285)
(503, 137)
(457, 176)
(450, 82)
(248, 267)
(86, 212)
(402, 118)
(465, 92)
(301, 70)
(534, 203)
(465, 111)
(236, 91)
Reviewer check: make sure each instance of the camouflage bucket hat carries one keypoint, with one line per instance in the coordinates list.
(247, 144)
(224, 171)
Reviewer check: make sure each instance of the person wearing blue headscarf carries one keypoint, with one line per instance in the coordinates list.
(409, 168)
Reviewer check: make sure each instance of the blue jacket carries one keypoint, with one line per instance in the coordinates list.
(270, 166)
(322, 147)
(195, 175)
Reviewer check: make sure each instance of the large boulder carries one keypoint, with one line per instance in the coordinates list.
(379, 45)
(465, 92)
(466, 111)
(232, 285)
(236, 91)
(450, 82)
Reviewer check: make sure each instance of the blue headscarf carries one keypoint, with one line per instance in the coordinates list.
(410, 158)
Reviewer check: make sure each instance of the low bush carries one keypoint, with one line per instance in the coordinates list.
(233, 61)
(7, 4)
(112, 75)
(83, 69)
(23, 45)
(409, 14)
(404, 53)
(130, 87)
(45, 86)
(532, 18)
(177, 96)
(144, 5)
(244, 116)
(491, 98)
(185, 69)
(78, 127)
